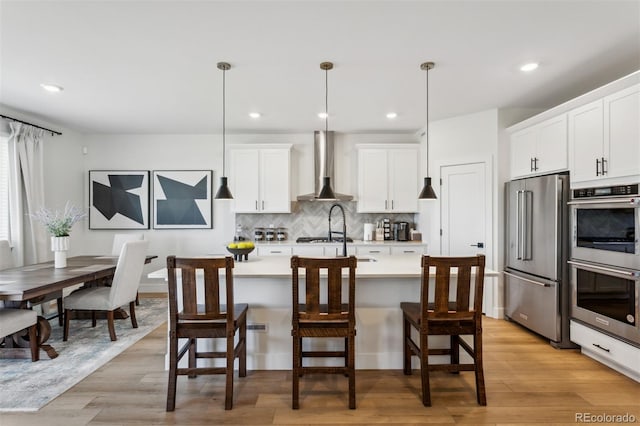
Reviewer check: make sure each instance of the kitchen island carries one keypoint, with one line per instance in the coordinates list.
(382, 282)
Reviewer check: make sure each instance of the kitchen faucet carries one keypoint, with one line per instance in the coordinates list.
(344, 229)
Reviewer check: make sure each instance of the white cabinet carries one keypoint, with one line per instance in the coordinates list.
(388, 179)
(612, 352)
(604, 137)
(275, 250)
(260, 178)
(373, 250)
(622, 132)
(413, 249)
(541, 148)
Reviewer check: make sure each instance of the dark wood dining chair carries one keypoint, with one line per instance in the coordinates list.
(313, 319)
(212, 318)
(444, 317)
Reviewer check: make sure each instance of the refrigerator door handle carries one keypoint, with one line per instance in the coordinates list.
(519, 236)
(528, 225)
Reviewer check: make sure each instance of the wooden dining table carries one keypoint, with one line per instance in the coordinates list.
(30, 285)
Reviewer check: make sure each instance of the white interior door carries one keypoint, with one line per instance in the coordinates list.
(465, 217)
(464, 210)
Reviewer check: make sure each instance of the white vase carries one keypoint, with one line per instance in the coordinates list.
(59, 246)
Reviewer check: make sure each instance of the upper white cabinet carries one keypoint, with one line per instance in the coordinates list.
(388, 178)
(540, 148)
(604, 137)
(260, 178)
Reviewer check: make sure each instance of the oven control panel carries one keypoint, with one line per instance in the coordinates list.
(606, 191)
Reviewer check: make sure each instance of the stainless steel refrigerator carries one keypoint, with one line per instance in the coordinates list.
(536, 274)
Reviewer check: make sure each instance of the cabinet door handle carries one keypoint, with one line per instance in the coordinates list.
(531, 164)
(535, 164)
(276, 251)
(604, 171)
(256, 205)
(374, 251)
(262, 204)
(391, 204)
(385, 204)
(597, 167)
(601, 347)
(408, 251)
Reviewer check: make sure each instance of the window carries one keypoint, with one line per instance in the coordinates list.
(4, 188)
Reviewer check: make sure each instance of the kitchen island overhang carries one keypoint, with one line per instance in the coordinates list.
(382, 282)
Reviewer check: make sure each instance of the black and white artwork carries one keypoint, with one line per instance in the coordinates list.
(119, 199)
(182, 199)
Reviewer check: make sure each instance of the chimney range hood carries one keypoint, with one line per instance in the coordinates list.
(323, 152)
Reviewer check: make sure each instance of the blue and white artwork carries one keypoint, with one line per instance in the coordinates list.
(119, 199)
(182, 199)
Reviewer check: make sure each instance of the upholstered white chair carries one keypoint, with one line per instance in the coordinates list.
(120, 239)
(6, 258)
(14, 320)
(123, 290)
(118, 242)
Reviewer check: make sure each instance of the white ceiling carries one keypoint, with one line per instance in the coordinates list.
(150, 66)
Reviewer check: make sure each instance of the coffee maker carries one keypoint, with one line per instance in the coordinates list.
(401, 231)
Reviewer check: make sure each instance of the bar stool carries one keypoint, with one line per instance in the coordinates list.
(311, 319)
(211, 319)
(443, 317)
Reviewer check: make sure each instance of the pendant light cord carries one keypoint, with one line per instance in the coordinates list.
(326, 100)
(224, 143)
(427, 102)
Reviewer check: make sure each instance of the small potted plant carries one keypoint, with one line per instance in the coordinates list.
(59, 224)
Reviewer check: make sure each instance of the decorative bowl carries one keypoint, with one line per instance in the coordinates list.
(239, 253)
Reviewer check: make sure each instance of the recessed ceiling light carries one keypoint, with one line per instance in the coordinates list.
(51, 88)
(391, 115)
(323, 115)
(254, 114)
(529, 67)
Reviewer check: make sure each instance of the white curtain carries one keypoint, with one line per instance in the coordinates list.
(26, 193)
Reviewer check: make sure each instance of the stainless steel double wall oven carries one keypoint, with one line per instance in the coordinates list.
(605, 259)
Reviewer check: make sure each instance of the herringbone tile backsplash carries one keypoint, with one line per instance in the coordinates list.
(311, 219)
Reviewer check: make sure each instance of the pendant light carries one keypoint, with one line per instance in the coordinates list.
(326, 193)
(223, 192)
(427, 192)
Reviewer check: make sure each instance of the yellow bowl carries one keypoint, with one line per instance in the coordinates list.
(240, 253)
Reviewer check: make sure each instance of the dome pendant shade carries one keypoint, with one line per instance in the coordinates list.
(223, 192)
(326, 193)
(427, 192)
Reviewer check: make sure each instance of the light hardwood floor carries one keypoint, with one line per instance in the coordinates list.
(528, 382)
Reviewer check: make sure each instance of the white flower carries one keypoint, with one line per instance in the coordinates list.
(59, 224)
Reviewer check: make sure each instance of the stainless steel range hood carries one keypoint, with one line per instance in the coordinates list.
(323, 153)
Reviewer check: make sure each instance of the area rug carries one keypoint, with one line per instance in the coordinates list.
(29, 386)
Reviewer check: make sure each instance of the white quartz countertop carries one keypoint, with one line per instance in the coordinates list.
(383, 266)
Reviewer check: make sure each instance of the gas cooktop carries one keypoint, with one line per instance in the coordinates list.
(321, 240)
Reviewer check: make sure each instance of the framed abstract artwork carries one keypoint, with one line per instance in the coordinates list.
(182, 199)
(119, 199)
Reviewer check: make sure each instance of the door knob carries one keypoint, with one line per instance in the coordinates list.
(479, 245)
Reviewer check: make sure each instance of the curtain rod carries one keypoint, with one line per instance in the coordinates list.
(53, 132)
